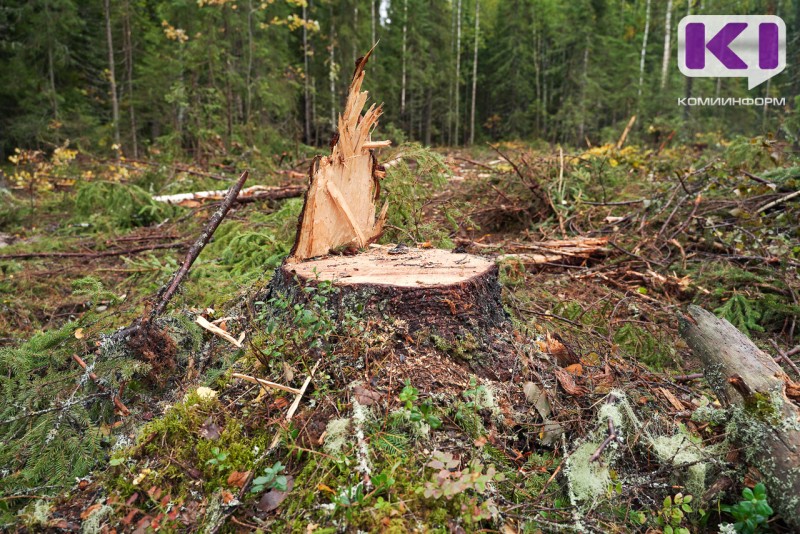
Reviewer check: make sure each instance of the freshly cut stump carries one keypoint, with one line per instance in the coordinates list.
(444, 292)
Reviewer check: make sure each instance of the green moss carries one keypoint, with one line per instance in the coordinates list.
(762, 407)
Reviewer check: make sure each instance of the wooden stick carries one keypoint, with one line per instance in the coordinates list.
(123, 410)
(248, 194)
(102, 254)
(202, 241)
(265, 383)
(295, 404)
(376, 144)
(785, 357)
(625, 132)
(214, 329)
(781, 200)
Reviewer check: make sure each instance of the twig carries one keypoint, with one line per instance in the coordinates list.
(214, 329)
(295, 404)
(612, 433)
(117, 402)
(759, 179)
(781, 200)
(784, 356)
(266, 383)
(103, 254)
(198, 246)
(687, 378)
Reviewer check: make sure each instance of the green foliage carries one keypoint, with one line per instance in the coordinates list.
(52, 415)
(752, 513)
(673, 512)
(419, 412)
(741, 313)
(271, 479)
(118, 206)
(218, 460)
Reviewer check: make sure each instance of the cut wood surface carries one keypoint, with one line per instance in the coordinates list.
(248, 194)
(766, 423)
(427, 288)
(340, 204)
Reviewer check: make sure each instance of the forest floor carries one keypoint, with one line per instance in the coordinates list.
(599, 251)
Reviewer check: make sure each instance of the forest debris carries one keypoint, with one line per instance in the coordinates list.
(265, 383)
(557, 250)
(625, 132)
(754, 386)
(99, 254)
(777, 202)
(214, 329)
(123, 410)
(339, 208)
(296, 403)
(568, 383)
(248, 194)
(673, 400)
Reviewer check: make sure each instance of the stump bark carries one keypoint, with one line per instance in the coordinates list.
(446, 293)
(765, 421)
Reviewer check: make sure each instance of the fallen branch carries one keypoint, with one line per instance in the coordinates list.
(295, 404)
(101, 254)
(123, 410)
(265, 383)
(612, 432)
(214, 329)
(746, 378)
(202, 241)
(781, 200)
(785, 357)
(249, 194)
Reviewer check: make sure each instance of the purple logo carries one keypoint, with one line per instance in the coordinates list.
(732, 46)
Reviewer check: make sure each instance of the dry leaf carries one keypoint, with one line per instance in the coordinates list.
(273, 498)
(79, 333)
(536, 396)
(227, 497)
(563, 354)
(575, 369)
(89, 511)
(324, 487)
(209, 430)
(481, 441)
(238, 478)
(567, 382)
(365, 396)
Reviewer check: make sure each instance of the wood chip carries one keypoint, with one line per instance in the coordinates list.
(214, 329)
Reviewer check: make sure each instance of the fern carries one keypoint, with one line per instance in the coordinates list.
(741, 313)
(120, 206)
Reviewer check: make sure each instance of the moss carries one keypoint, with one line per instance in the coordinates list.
(763, 407)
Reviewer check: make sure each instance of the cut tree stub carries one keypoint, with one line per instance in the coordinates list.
(431, 289)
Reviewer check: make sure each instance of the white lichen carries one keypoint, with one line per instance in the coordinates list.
(336, 434)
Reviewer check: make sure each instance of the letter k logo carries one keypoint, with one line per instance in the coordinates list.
(719, 45)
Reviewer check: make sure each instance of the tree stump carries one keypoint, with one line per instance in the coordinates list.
(448, 294)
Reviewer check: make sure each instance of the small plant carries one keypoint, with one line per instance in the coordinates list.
(752, 513)
(419, 412)
(219, 460)
(673, 512)
(448, 481)
(271, 479)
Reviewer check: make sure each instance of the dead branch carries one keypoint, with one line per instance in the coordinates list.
(101, 254)
(123, 410)
(248, 194)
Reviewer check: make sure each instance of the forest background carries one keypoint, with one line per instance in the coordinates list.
(199, 79)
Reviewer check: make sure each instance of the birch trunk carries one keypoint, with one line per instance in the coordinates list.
(129, 72)
(474, 74)
(112, 72)
(403, 82)
(456, 140)
(667, 44)
(644, 47)
(306, 91)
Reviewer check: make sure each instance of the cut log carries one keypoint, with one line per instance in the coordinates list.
(248, 194)
(432, 289)
(339, 209)
(765, 423)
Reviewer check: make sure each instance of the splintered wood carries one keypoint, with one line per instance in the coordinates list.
(340, 204)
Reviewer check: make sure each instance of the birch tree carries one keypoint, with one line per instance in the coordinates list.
(474, 74)
(667, 44)
(644, 47)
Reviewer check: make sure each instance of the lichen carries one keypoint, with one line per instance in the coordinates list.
(337, 434)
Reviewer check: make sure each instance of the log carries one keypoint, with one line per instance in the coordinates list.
(765, 422)
(445, 293)
(248, 194)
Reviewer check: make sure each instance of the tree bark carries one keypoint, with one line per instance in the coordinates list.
(306, 89)
(112, 78)
(667, 44)
(457, 81)
(129, 73)
(474, 74)
(644, 47)
(405, 46)
(765, 422)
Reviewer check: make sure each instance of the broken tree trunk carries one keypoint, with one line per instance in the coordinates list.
(765, 422)
(339, 209)
(425, 294)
